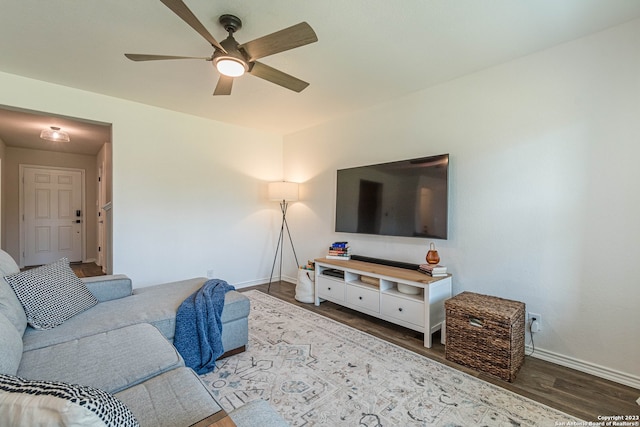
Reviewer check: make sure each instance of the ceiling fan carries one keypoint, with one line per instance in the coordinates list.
(232, 59)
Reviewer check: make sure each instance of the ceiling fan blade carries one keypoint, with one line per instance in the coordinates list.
(289, 38)
(224, 85)
(179, 8)
(144, 57)
(268, 73)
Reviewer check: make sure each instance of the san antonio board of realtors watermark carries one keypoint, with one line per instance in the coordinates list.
(605, 421)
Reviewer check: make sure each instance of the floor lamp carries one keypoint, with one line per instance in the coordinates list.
(283, 192)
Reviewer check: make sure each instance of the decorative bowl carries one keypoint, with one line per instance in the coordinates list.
(407, 289)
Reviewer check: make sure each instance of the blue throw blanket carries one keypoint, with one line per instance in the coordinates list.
(198, 336)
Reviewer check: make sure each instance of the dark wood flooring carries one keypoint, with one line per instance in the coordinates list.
(582, 395)
(87, 269)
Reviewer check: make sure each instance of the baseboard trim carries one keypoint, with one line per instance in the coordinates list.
(292, 280)
(582, 366)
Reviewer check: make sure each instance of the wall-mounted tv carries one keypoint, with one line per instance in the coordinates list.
(405, 198)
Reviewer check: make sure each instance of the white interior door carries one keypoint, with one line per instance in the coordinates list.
(52, 200)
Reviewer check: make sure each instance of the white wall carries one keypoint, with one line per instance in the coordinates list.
(189, 194)
(2, 191)
(544, 204)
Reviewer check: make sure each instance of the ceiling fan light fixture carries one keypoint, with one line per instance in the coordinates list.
(230, 67)
(55, 134)
(232, 59)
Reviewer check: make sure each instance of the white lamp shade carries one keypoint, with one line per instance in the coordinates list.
(282, 190)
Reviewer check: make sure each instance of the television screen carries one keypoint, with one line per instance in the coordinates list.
(404, 198)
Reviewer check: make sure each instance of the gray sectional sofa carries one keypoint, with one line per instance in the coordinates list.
(122, 345)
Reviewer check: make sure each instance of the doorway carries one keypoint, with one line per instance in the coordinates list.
(52, 202)
(88, 150)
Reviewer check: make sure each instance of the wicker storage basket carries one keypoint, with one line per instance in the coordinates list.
(485, 333)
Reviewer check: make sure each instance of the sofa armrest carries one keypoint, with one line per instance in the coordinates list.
(106, 288)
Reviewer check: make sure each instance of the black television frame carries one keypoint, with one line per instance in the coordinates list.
(388, 194)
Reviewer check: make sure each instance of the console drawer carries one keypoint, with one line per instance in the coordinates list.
(331, 289)
(365, 298)
(403, 309)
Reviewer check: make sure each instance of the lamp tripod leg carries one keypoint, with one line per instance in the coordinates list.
(291, 241)
(275, 257)
(283, 208)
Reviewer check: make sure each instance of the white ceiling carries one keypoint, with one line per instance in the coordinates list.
(369, 51)
(21, 128)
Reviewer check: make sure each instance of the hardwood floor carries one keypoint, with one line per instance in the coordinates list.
(582, 395)
(87, 269)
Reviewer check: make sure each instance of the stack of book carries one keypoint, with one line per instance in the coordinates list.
(433, 270)
(339, 250)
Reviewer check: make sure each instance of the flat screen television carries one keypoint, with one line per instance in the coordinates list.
(404, 198)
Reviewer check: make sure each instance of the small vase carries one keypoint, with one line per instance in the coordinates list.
(432, 255)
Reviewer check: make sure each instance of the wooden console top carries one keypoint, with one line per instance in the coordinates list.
(382, 270)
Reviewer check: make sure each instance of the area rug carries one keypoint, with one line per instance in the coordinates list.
(316, 371)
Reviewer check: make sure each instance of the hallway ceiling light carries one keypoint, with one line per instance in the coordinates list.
(55, 134)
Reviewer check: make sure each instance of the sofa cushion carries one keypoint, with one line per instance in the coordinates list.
(257, 412)
(10, 347)
(9, 304)
(156, 305)
(51, 294)
(175, 398)
(43, 403)
(110, 361)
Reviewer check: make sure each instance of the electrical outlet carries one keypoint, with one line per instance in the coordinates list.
(209, 274)
(538, 319)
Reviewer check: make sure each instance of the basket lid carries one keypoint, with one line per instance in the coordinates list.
(494, 307)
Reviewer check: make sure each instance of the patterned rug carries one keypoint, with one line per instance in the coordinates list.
(316, 371)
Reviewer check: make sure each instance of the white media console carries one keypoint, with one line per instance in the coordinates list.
(373, 289)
